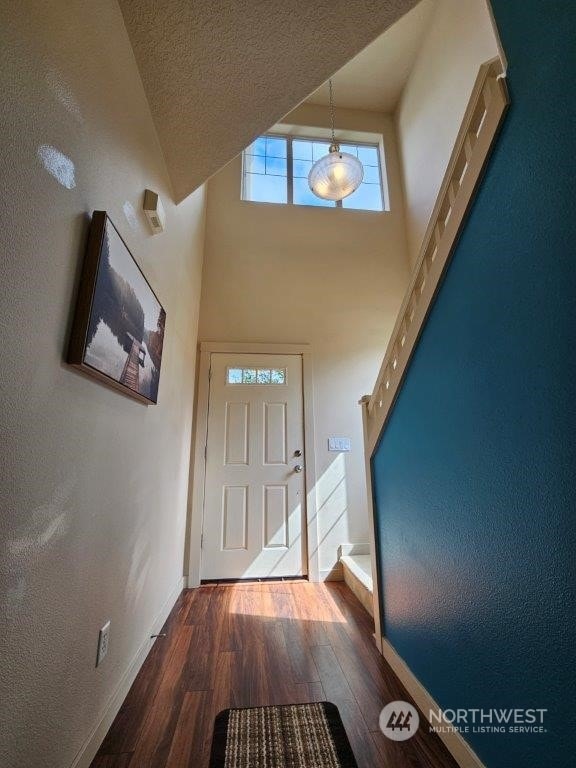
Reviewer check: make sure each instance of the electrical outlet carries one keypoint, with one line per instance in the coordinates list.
(103, 639)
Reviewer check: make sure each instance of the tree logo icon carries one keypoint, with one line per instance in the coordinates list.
(399, 720)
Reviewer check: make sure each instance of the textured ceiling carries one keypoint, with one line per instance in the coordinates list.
(219, 72)
(375, 78)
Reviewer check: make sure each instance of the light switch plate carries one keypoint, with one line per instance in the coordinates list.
(339, 444)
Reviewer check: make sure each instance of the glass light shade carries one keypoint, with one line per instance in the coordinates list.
(336, 175)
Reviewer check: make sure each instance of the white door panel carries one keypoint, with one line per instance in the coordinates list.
(254, 496)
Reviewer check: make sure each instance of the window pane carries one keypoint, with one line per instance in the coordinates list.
(302, 150)
(367, 198)
(278, 376)
(319, 149)
(263, 376)
(275, 166)
(368, 155)
(275, 147)
(371, 175)
(303, 195)
(234, 375)
(254, 163)
(301, 168)
(256, 376)
(257, 147)
(266, 168)
(265, 189)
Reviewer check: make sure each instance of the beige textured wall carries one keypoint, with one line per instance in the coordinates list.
(333, 278)
(459, 40)
(94, 485)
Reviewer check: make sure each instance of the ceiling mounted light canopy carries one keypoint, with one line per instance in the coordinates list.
(337, 174)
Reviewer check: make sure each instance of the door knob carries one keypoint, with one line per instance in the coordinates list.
(298, 468)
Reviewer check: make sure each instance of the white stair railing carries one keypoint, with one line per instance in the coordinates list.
(483, 116)
(480, 124)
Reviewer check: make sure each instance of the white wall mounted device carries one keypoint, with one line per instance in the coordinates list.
(154, 211)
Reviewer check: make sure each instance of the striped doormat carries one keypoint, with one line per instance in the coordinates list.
(291, 736)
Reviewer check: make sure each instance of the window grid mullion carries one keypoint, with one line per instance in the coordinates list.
(290, 171)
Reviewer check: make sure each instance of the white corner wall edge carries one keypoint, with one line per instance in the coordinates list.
(456, 745)
(501, 51)
(90, 747)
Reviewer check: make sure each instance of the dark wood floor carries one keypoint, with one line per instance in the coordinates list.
(253, 644)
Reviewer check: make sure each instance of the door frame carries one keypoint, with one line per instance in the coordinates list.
(198, 464)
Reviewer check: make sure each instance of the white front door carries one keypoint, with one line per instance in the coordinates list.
(254, 496)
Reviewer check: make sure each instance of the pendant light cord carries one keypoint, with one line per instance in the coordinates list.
(332, 113)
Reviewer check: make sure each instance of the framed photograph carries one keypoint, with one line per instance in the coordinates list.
(118, 330)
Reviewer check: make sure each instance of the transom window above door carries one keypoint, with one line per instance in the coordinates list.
(256, 375)
(275, 170)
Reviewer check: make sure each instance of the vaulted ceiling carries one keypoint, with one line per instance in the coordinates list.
(375, 78)
(219, 72)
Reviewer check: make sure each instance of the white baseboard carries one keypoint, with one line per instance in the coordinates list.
(88, 750)
(358, 584)
(332, 574)
(460, 750)
(353, 549)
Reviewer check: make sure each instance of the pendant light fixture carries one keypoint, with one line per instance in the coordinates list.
(337, 174)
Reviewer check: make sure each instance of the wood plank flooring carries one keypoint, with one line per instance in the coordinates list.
(252, 644)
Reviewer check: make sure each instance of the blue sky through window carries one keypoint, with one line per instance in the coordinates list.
(309, 151)
(265, 177)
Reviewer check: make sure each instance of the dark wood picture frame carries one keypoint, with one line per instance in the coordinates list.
(98, 301)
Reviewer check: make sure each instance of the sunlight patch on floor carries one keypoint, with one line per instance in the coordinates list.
(280, 600)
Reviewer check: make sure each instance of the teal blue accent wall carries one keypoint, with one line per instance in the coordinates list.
(474, 476)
